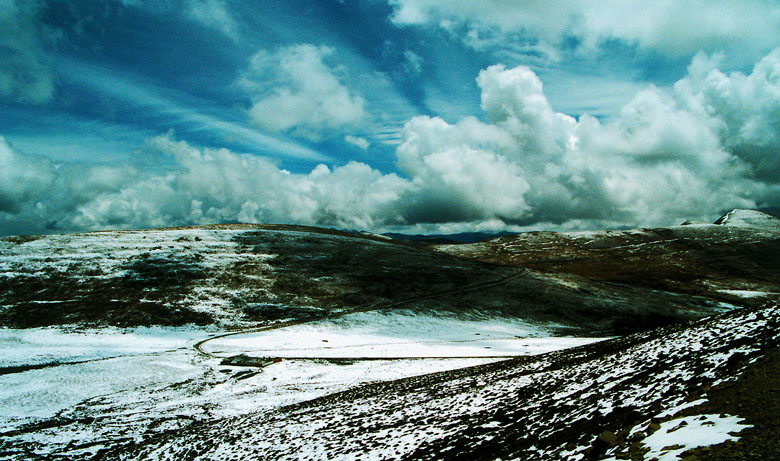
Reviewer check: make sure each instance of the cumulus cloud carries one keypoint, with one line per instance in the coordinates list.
(707, 144)
(743, 109)
(703, 146)
(295, 90)
(211, 185)
(21, 179)
(674, 28)
(26, 75)
(203, 186)
(39, 195)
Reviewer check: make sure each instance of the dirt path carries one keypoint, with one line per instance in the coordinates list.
(476, 287)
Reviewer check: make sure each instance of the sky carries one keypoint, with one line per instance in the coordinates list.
(386, 115)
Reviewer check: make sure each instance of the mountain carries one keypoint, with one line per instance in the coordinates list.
(750, 218)
(630, 344)
(736, 260)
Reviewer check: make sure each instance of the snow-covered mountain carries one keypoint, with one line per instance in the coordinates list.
(750, 218)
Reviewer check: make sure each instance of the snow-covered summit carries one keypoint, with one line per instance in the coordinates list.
(750, 218)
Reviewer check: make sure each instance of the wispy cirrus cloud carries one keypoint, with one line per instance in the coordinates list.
(214, 14)
(26, 74)
(182, 111)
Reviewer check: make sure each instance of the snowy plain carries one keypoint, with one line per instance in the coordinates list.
(400, 334)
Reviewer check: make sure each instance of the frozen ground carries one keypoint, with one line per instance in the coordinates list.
(71, 392)
(399, 335)
(546, 407)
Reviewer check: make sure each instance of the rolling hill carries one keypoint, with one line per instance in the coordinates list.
(625, 344)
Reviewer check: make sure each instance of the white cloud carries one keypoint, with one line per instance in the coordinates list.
(706, 145)
(357, 141)
(743, 109)
(673, 28)
(669, 154)
(213, 14)
(38, 195)
(21, 179)
(26, 74)
(294, 90)
(216, 185)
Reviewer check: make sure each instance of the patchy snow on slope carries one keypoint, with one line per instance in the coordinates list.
(106, 256)
(493, 408)
(681, 434)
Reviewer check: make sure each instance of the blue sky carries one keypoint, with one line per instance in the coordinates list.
(385, 115)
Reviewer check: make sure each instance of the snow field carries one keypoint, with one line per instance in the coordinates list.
(132, 381)
(691, 432)
(399, 334)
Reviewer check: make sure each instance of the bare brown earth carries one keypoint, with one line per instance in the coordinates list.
(755, 396)
(693, 260)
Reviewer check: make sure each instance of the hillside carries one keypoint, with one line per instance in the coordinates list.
(630, 344)
(735, 260)
(242, 275)
(612, 398)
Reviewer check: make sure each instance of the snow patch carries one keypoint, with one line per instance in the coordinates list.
(747, 293)
(691, 432)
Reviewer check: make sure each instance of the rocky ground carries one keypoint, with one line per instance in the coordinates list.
(754, 395)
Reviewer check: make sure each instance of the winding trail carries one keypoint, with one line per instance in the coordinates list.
(470, 288)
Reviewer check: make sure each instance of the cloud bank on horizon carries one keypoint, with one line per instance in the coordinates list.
(366, 128)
